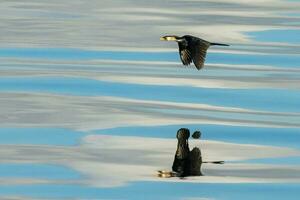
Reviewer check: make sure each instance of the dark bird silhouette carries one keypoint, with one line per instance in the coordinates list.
(196, 135)
(191, 49)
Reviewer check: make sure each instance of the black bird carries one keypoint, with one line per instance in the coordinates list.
(196, 135)
(191, 49)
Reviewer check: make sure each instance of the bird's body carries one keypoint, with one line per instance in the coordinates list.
(191, 49)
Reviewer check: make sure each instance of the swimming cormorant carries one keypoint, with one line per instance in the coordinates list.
(191, 49)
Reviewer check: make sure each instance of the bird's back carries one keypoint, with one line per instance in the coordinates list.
(192, 40)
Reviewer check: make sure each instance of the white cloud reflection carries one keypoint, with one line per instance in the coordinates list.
(103, 25)
(233, 76)
(109, 161)
(90, 113)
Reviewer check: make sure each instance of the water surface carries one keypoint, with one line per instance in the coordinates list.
(91, 99)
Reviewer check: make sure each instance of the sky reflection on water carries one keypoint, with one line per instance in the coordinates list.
(262, 99)
(91, 99)
(212, 57)
(159, 191)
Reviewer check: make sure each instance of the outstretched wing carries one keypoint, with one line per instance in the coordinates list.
(185, 54)
(199, 53)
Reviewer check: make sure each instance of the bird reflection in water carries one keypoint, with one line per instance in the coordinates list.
(186, 162)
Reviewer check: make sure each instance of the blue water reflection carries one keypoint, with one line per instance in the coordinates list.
(37, 171)
(44, 42)
(287, 36)
(212, 57)
(40, 136)
(262, 99)
(159, 190)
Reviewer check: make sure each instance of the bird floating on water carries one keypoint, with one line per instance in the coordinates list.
(191, 49)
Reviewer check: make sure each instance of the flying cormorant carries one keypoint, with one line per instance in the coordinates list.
(191, 49)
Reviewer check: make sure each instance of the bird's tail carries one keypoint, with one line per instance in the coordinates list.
(214, 162)
(220, 44)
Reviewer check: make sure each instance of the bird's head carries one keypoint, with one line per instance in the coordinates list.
(170, 38)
